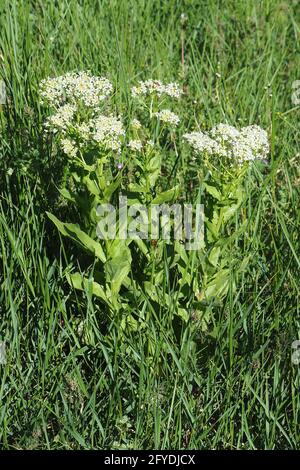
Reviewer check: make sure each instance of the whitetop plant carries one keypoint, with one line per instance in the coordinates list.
(135, 145)
(108, 131)
(240, 146)
(168, 117)
(201, 143)
(62, 119)
(79, 101)
(69, 147)
(108, 156)
(74, 87)
(78, 119)
(135, 124)
(156, 87)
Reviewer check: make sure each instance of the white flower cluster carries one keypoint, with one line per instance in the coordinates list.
(77, 116)
(69, 94)
(224, 133)
(201, 142)
(168, 117)
(69, 147)
(135, 145)
(151, 86)
(247, 144)
(108, 131)
(83, 130)
(76, 86)
(251, 144)
(62, 119)
(135, 124)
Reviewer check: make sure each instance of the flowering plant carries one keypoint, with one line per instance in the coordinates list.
(108, 156)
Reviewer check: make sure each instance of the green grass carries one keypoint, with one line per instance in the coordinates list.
(72, 378)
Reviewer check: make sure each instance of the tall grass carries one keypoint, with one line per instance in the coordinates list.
(73, 379)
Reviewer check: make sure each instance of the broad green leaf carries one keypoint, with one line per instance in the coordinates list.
(75, 233)
(142, 246)
(84, 165)
(182, 312)
(166, 196)
(214, 255)
(111, 188)
(228, 212)
(128, 321)
(137, 188)
(91, 186)
(67, 195)
(153, 168)
(213, 191)
(118, 264)
(218, 286)
(78, 281)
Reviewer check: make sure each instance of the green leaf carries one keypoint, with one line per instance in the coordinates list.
(133, 198)
(166, 196)
(84, 165)
(153, 168)
(78, 281)
(213, 191)
(128, 321)
(118, 265)
(137, 188)
(142, 246)
(182, 313)
(111, 188)
(67, 195)
(91, 186)
(75, 233)
(228, 212)
(217, 288)
(214, 255)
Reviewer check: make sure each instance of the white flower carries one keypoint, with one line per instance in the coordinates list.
(83, 130)
(89, 89)
(69, 147)
(156, 87)
(167, 116)
(62, 119)
(135, 145)
(224, 132)
(251, 144)
(81, 86)
(147, 87)
(108, 131)
(135, 123)
(183, 18)
(243, 145)
(52, 90)
(225, 135)
(173, 90)
(257, 140)
(201, 142)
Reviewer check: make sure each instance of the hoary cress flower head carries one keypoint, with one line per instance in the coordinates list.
(77, 99)
(238, 145)
(156, 87)
(75, 87)
(168, 117)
